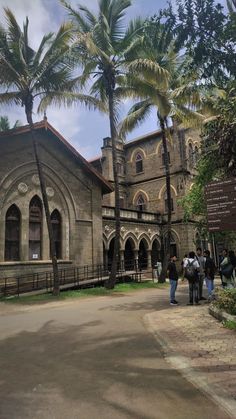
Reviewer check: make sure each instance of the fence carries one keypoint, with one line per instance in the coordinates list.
(74, 277)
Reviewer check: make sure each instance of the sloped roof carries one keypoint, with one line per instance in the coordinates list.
(44, 125)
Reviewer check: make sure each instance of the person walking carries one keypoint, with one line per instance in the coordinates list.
(209, 273)
(201, 260)
(173, 278)
(227, 268)
(191, 270)
(232, 259)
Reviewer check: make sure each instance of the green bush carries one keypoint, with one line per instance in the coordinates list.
(226, 300)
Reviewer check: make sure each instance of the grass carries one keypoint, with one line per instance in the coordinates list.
(230, 324)
(87, 292)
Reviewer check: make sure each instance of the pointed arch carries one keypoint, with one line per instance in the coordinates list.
(136, 151)
(12, 233)
(163, 189)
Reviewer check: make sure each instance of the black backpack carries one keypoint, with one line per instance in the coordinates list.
(190, 271)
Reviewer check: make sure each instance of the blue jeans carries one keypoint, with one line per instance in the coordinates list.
(173, 287)
(210, 285)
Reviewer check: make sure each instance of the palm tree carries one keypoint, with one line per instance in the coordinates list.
(175, 99)
(107, 52)
(5, 123)
(45, 74)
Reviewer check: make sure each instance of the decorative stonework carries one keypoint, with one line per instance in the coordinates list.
(106, 229)
(136, 231)
(22, 188)
(7, 184)
(50, 192)
(35, 180)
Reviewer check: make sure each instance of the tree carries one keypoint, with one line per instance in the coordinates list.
(45, 74)
(5, 123)
(107, 50)
(173, 96)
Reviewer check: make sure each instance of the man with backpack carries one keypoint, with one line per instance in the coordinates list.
(191, 271)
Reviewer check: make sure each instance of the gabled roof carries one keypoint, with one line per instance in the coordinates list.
(44, 125)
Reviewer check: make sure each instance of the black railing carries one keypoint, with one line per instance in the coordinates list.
(74, 277)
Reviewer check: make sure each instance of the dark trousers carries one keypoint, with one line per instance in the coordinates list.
(193, 291)
(200, 285)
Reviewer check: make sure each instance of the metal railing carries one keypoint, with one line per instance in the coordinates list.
(73, 277)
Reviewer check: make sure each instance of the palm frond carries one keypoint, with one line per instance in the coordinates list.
(150, 69)
(135, 117)
(68, 98)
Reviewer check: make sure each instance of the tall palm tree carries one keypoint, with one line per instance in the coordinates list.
(45, 74)
(107, 52)
(175, 99)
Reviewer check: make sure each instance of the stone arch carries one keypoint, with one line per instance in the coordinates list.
(136, 151)
(143, 253)
(129, 254)
(155, 251)
(131, 236)
(159, 146)
(140, 192)
(174, 243)
(12, 250)
(147, 240)
(163, 190)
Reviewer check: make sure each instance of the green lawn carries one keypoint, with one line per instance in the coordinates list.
(87, 292)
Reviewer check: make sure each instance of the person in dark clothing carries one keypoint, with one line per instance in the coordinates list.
(221, 258)
(173, 278)
(191, 270)
(209, 273)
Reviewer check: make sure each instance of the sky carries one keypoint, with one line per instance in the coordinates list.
(84, 129)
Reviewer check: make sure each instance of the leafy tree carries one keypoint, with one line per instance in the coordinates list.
(106, 51)
(5, 123)
(45, 74)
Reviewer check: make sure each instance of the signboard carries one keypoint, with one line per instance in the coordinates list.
(221, 205)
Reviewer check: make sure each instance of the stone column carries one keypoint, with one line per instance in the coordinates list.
(136, 258)
(149, 259)
(122, 259)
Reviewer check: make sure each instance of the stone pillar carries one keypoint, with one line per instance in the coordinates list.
(122, 259)
(149, 259)
(136, 258)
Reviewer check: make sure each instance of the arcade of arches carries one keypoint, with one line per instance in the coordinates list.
(143, 253)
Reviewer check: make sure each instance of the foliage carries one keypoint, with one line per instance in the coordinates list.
(226, 300)
(230, 324)
(209, 37)
(5, 123)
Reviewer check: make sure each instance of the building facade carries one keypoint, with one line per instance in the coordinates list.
(74, 189)
(143, 195)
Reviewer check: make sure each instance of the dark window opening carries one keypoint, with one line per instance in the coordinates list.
(12, 234)
(35, 228)
(139, 163)
(141, 203)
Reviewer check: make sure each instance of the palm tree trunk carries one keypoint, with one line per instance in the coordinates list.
(169, 206)
(56, 282)
(116, 255)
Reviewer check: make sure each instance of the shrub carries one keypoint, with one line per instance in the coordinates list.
(226, 300)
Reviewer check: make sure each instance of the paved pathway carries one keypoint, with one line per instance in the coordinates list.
(200, 347)
(93, 359)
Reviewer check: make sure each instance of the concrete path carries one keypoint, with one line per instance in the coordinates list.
(92, 359)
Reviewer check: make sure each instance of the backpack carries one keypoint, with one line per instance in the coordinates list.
(190, 271)
(227, 270)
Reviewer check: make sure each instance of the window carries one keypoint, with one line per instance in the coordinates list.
(139, 163)
(173, 246)
(12, 234)
(56, 228)
(163, 158)
(141, 203)
(35, 228)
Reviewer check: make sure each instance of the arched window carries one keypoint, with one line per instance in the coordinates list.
(190, 154)
(139, 163)
(12, 234)
(56, 227)
(173, 245)
(141, 203)
(35, 228)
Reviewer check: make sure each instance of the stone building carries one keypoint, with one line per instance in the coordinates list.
(143, 195)
(74, 190)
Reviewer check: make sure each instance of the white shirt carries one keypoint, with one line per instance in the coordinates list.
(190, 260)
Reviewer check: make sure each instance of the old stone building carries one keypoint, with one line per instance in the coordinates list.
(143, 195)
(74, 190)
